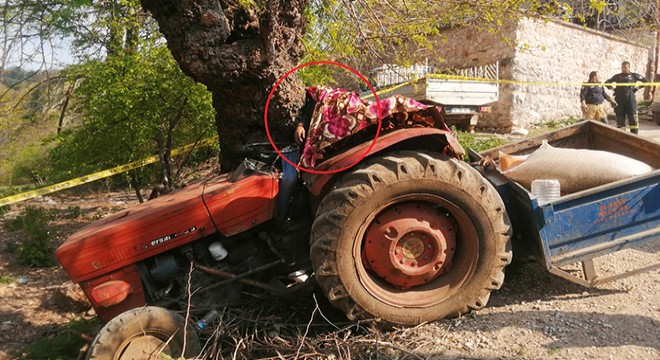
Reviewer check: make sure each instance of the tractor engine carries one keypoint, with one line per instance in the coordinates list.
(217, 271)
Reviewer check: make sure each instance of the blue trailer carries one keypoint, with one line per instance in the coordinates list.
(579, 227)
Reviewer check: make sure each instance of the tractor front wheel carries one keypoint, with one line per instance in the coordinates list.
(409, 238)
(143, 334)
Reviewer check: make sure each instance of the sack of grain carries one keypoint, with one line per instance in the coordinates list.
(576, 169)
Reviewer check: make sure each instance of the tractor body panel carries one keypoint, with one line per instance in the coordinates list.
(168, 222)
(420, 138)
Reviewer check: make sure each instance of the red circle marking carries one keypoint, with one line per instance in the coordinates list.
(322, 62)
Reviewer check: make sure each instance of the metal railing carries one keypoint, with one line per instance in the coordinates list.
(390, 74)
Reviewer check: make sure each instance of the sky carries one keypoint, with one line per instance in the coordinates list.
(56, 55)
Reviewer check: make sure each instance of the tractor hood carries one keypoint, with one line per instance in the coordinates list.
(170, 221)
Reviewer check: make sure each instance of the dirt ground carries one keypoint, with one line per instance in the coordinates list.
(535, 315)
(38, 301)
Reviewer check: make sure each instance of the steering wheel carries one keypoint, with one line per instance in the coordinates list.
(265, 152)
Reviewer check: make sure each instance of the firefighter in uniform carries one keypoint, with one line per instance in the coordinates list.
(625, 97)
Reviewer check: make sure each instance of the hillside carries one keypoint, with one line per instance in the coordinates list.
(29, 113)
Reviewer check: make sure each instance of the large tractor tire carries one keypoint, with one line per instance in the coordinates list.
(144, 334)
(409, 238)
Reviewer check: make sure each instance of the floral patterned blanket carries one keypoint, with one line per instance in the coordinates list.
(339, 113)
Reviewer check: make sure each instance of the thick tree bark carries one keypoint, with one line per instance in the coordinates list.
(238, 53)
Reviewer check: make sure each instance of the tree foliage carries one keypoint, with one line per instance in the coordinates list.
(365, 33)
(133, 105)
(33, 30)
(239, 48)
(28, 112)
(616, 16)
(128, 92)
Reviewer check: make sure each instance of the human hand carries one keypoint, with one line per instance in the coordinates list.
(299, 134)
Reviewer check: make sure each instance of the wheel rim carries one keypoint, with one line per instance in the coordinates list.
(145, 346)
(436, 240)
(409, 244)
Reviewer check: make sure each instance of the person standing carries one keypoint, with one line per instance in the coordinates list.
(625, 97)
(592, 98)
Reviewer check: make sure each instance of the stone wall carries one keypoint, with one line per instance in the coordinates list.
(543, 53)
(467, 47)
(536, 51)
(558, 52)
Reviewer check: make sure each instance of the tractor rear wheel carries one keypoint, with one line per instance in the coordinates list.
(143, 334)
(409, 238)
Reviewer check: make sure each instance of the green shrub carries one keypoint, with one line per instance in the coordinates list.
(65, 345)
(73, 212)
(477, 142)
(560, 123)
(16, 189)
(36, 248)
(31, 165)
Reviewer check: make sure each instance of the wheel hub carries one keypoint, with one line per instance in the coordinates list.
(145, 347)
(410, 244)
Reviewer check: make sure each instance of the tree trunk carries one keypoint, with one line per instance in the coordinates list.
(65, 105)
(166, 147)
(239, 53)
(136, 184)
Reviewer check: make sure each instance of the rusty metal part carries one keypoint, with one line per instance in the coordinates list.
(440, 288)
(590, 276)
(240, 278)
(410, 244)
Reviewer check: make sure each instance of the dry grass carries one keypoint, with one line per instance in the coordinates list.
(303, 330)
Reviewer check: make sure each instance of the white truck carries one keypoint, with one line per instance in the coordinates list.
(462, 94)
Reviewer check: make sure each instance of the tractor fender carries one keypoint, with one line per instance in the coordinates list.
(419, 138)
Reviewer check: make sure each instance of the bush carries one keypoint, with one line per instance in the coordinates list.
(30, 165)
(36, 248)
(73, 212)
(560, 123)
(66, 344)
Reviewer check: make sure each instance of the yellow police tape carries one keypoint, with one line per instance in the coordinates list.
(98, 175)
(501, 81)
(152, 159)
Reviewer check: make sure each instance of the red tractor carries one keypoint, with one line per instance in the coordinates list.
(408, 235)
